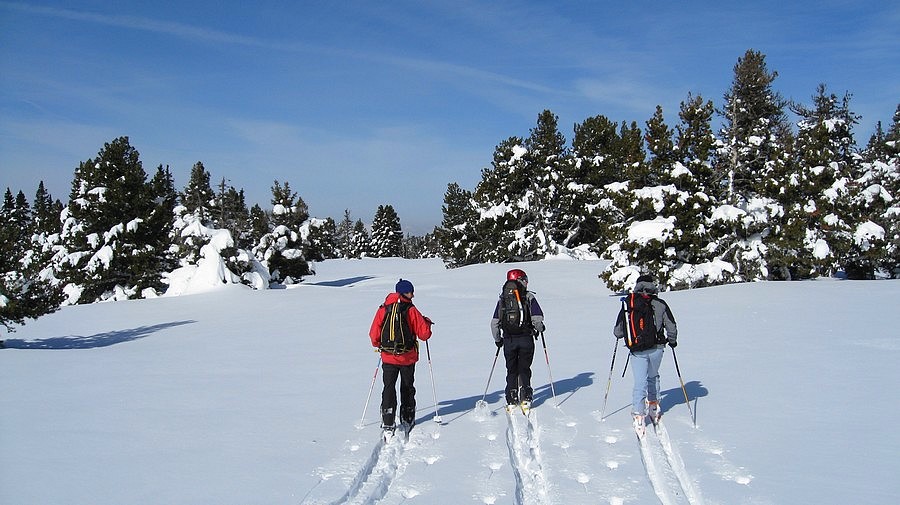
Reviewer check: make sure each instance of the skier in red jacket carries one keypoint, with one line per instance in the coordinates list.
(395, 328)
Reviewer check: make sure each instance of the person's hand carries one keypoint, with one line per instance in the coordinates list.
(673, 343)
(499, 343)
(539, 326)
(429, 321)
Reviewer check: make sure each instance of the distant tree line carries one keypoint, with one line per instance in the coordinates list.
(756, 200)
(122, 234)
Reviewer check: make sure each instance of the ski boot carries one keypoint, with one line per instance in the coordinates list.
(639, 424)
(654, 411)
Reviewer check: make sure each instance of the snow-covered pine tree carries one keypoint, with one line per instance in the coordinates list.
(193, 218)
(15, 230)
(876, 203)
(456, 234)
(753, 162)
(45, 233)
(198, 197)
(502, 205)
(593, 167)
(360, 245)
(387, 235)
(157, 233)
(103, 237)
(318, 239)
(343, 236)
(22, 295)
(692, 175)
(281, 250)
(818, 222)
(549, 165)
(258, 224)
(653, 240)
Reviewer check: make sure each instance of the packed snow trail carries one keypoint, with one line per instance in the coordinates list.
(376, 475)
(523, 440)
(665, 468)
(677, 465)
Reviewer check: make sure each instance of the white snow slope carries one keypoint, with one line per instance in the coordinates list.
(238, 396)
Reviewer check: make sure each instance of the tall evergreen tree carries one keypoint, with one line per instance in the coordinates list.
(502, 204)
(198, 197)
(343, 236)
(387, 235)
(660, 144)
(103, 227)
(754, 163)
(818, 225)
(457, 234)
(282, 248)
(755, 129)
(361, 244)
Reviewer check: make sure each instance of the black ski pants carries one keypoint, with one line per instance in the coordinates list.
(519, 353)
(389, 394)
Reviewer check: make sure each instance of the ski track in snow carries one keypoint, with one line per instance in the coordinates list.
(677, 465)
(523, 440)
(665, 469)
(375, 477)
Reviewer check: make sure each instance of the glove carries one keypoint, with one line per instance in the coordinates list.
(499, 343)
(673, 343)
(539, 326)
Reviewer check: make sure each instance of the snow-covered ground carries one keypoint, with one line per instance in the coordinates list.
(237, 396)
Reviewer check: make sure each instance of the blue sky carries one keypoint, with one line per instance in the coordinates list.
(358, 104)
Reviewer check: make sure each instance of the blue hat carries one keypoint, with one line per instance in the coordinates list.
(404, 287)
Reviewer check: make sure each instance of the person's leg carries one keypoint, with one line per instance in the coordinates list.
(389, 393)
(654, 359)
(407, 394)
(511, 353)
(640, 363)
(526, 358)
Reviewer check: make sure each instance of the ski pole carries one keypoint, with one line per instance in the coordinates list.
(609, 380)
(437, 416)
(372, 387)
(486, 386)
(686, 400)
(627, 359)
(549, 371)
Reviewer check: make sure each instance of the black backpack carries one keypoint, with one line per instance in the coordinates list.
(640, 325)
(515, 311)
(396, 336)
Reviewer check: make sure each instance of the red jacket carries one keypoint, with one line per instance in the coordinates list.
(419, 325)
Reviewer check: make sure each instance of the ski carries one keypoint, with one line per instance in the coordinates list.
(640, 427)
(526, 407)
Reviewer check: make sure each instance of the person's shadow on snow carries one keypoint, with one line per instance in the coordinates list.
(675, 396)
(564, 389)
(92, 341)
